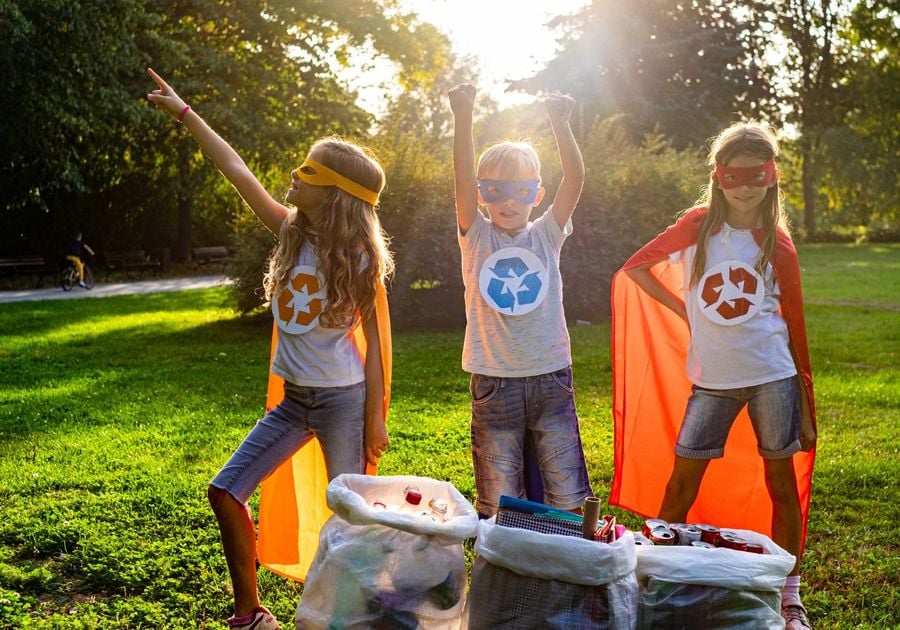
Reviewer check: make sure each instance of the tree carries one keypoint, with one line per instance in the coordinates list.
(860, 180)
(63, 66)
(813, 67)
(680, 67)
(85, 143)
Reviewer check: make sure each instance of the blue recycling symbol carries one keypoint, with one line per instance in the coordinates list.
(512, 269)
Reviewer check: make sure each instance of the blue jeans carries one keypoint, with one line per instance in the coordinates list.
(504, 410)
(333, 415)
(774, 410)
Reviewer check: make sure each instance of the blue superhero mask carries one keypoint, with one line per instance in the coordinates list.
(522, 191)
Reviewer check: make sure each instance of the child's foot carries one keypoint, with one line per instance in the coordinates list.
(82, 284)
(794, 616)
(258, 619)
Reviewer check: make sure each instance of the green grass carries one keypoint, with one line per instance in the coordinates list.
(114, 414)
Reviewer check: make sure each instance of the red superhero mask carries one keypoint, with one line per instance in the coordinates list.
(734, 176)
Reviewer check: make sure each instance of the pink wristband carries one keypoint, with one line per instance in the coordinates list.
(183, 114)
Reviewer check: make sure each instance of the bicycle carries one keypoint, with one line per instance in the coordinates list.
(68, 278)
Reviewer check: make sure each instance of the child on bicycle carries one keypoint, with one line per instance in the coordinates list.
(75, 253)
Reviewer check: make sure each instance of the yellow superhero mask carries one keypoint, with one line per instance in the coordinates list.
(315, 174)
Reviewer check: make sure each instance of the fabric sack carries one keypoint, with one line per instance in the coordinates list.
(377, 568)
(528, 579)
(691, 587)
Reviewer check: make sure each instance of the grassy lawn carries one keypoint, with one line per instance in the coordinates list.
(114, 414)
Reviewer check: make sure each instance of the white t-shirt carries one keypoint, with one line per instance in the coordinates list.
(308, 353)
(515, 324)
(738, 336)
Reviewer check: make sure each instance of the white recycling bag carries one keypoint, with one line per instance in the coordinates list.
(712, 588)
(528, 579)
(383, 568)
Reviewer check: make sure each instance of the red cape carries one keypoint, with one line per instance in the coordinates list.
(292, 507)
(650, 392)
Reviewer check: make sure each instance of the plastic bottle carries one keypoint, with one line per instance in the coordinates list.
(412, 499)
(438, 510)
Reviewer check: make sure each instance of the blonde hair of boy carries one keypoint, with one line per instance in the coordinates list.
(509, 161)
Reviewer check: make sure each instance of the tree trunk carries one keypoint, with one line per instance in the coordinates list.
(185, 196)
(809, 192)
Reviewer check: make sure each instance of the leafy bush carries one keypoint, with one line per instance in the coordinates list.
(631, 193)
(252, 245)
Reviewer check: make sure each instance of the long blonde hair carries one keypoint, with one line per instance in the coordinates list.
(347, 234)
(751, 139)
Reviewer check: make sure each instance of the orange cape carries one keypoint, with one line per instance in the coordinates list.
(292, 505)
(650, 392)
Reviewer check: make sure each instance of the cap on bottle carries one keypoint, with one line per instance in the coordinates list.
(413, 495)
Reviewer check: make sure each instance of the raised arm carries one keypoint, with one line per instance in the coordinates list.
(645, 279)
(559, 109)
(462, 102)
(226, 159)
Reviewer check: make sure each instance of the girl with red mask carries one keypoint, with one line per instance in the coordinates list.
(728, 269)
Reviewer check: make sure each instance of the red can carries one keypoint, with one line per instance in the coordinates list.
(708, 533)
(653, 523)
(754, 548)
(731, 541)
(663, 536)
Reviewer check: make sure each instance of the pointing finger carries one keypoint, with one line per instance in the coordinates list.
(158, 79)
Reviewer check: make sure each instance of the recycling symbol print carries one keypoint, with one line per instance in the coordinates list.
(513, 281)
(301, 301)
(730, 293)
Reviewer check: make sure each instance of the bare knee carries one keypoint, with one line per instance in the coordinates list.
(216, 496)
(226, 505)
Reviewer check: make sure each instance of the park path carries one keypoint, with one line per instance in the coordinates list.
(115, 288)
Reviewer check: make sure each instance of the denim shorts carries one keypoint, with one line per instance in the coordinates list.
(774, 410)
(503, 411)
(333, 415)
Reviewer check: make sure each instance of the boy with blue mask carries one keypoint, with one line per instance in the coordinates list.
(516, 344)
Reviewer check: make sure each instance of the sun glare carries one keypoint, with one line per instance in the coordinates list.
(509, 39)
(505, 39)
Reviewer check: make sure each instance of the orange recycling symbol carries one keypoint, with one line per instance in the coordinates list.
(300, 302)
(730, 293)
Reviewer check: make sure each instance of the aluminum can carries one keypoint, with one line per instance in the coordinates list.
(731, 541)
(663, 536)
(640, 539)
(686, 533)
(708, 533)
(702, 545)
(653, 523)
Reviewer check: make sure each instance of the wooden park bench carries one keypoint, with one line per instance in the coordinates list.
(15, 266)
(130, 260)
(216, 254)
